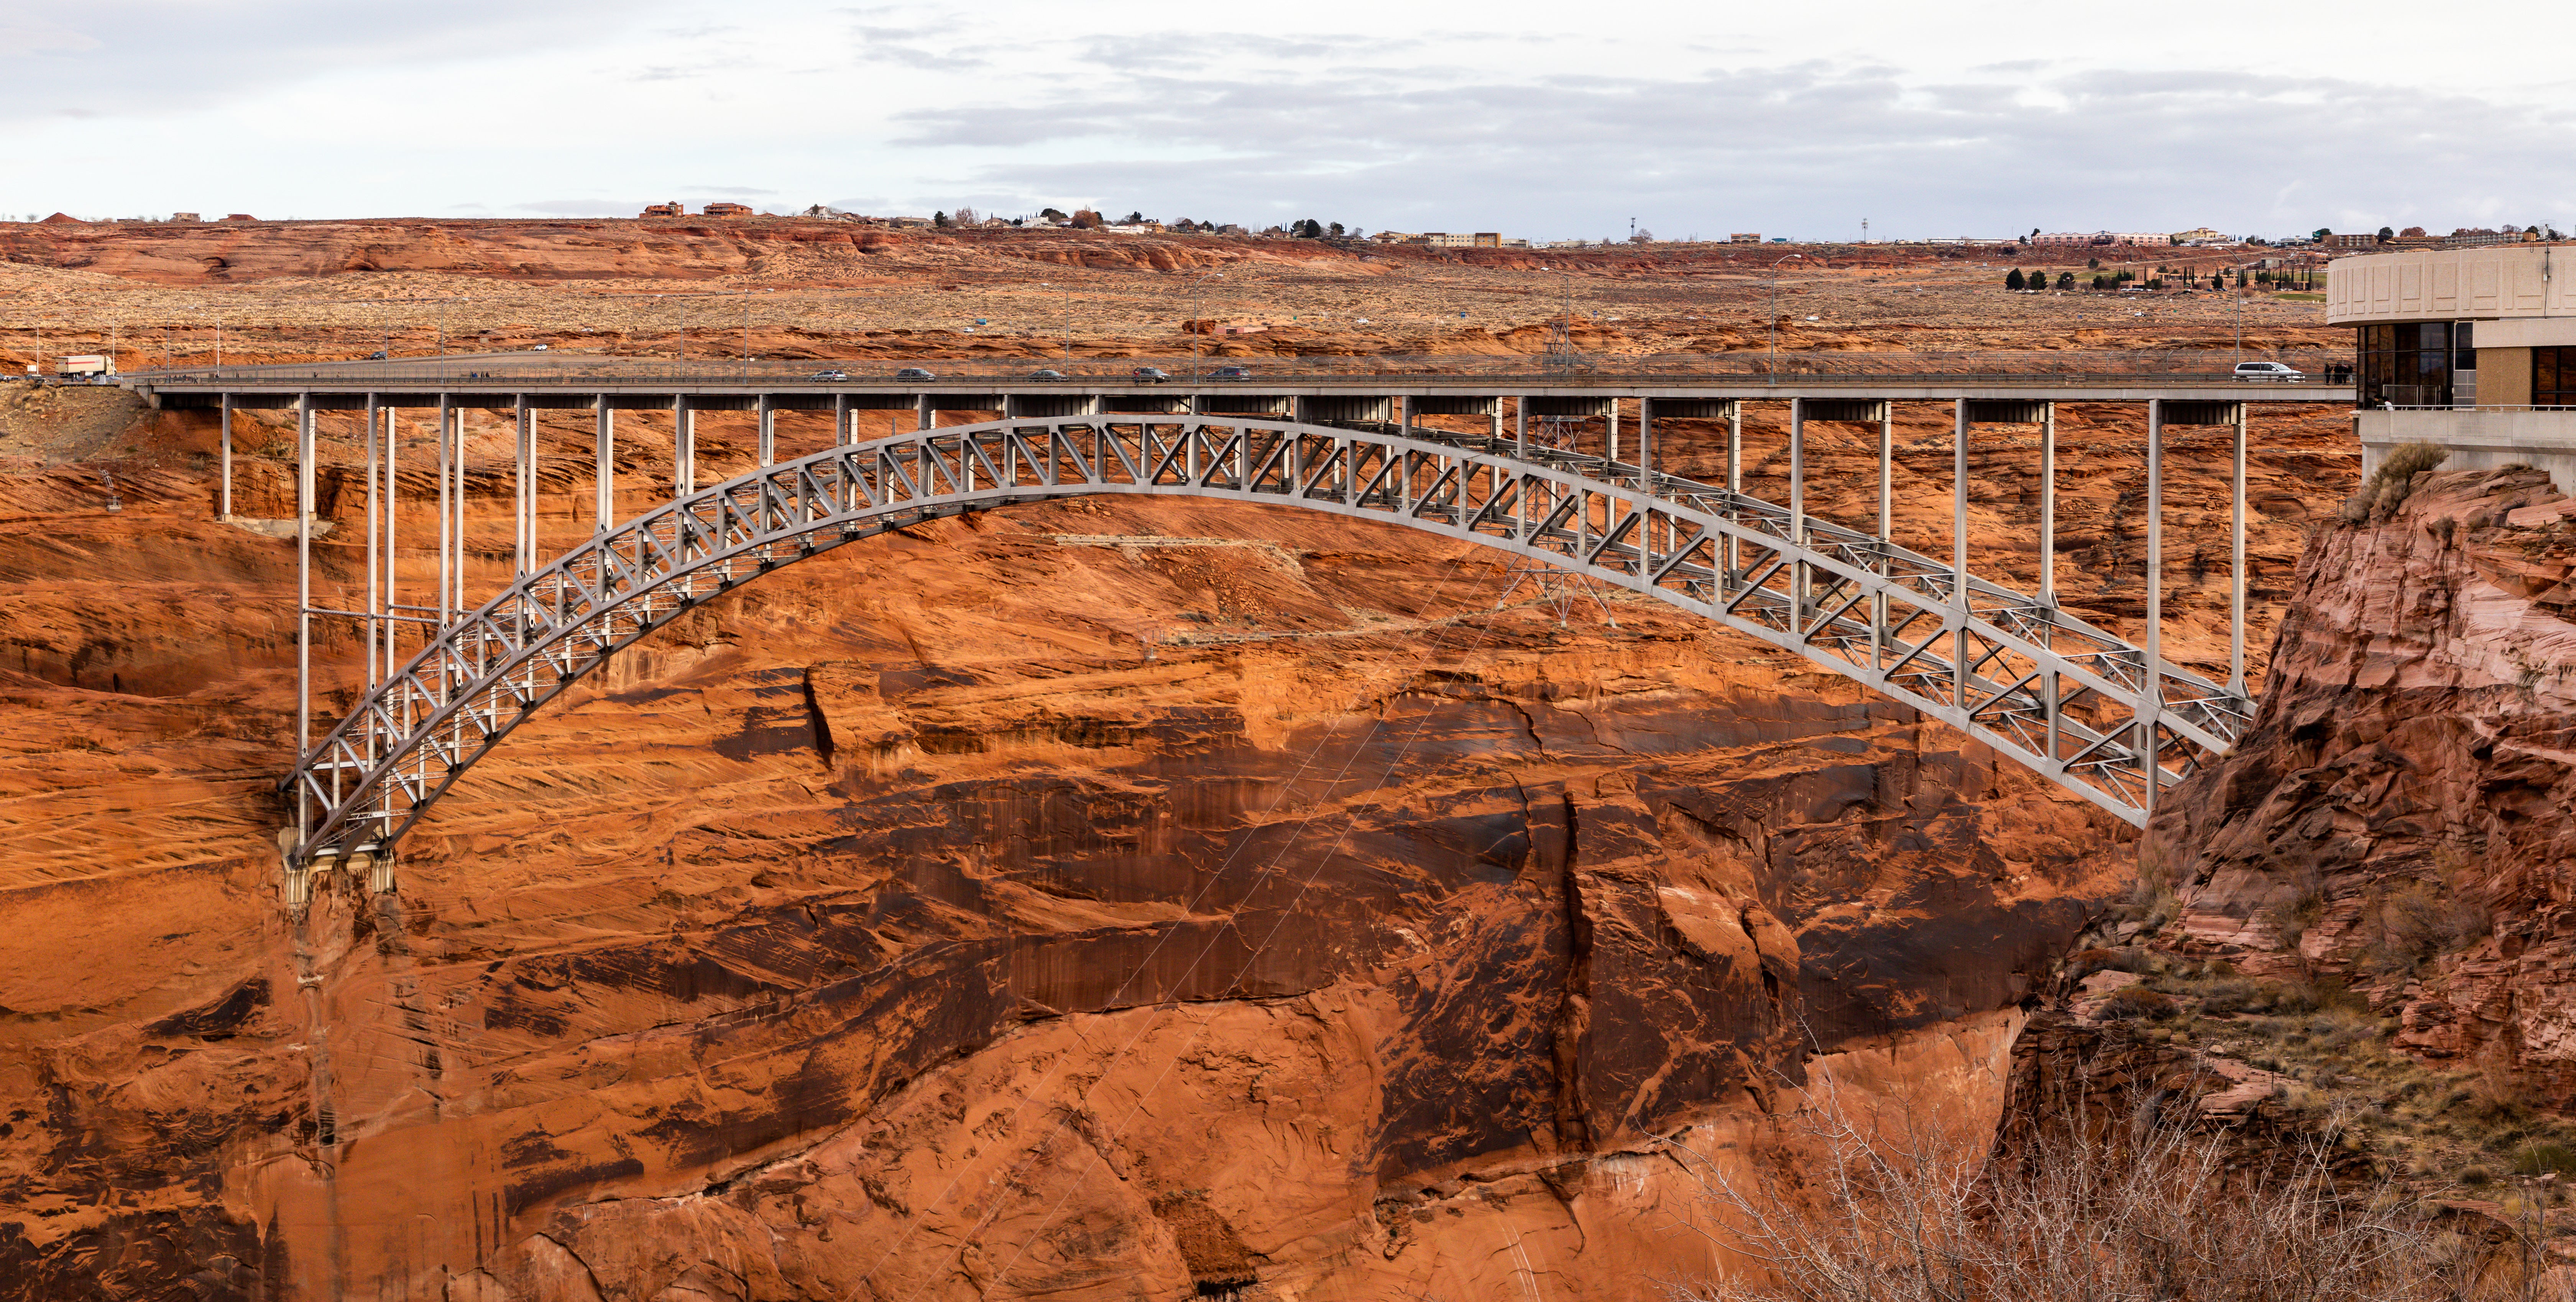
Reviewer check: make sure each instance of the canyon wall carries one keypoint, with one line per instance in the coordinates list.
(1101, 899)
(2399, 818)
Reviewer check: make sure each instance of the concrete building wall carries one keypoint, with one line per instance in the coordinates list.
(2503, 282)
(2477, 440)
(2504, 376)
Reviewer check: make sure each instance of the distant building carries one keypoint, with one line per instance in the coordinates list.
(721, 209)
(1516, 244)
(2334, 241)
(1745, 237)
(239, 217)
(1487, 239)
(185, 217)
(671, 209)
(1395, 237)
(2085, 239)
(2195, 234)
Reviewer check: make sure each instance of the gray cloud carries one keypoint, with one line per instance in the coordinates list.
(1817, 147)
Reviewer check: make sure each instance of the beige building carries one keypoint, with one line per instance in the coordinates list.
(2473, 349)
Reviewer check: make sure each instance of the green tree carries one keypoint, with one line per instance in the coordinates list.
(2066, 280)
(2013, 281)
(939, 219)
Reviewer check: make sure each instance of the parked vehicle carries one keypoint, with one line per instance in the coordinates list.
(914, 374)
(377, 356)
(2273, 371)
(1150, 375)
(1231, 373)
(1046, 373)
(832, 376)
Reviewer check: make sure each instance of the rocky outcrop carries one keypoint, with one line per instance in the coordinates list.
(2399, 818)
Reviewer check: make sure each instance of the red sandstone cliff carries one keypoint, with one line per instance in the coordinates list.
(2400, 817)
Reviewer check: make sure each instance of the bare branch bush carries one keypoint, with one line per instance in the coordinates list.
(2147, 1208)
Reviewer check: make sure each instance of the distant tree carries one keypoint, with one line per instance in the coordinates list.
(2386, 234)
(2093, 264)
(2098, 281)
(2013, 281)
(1336, 229)
(965, 216)
(1052, 214)
(939, 219)
(2066, 280)
(1307, 229)
(1133, 218)
(2412, 231)
(1084, 219)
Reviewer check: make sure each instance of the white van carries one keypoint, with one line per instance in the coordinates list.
(2259, 371)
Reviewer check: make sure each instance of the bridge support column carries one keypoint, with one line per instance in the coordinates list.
(768, 433)
(224, 494)
(1959, 550)
(446, 503)
(684, 448)
(603, 464)
(1645, 442)
(922, 415)
(1798, 513)
(2151, 694)
(303, 603)
(1887, 473)
(2236, 562)
(1613, 442)
(393, 513)
(1734, 486)
(842, 433)
(2048, 505)
(373, 517)
(523, 473)
(1520, 425)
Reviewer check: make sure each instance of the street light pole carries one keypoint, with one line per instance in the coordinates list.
(1773, 369)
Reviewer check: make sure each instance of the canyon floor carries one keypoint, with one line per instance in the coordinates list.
(1088, 900)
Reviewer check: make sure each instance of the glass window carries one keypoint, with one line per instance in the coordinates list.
(2553, 377)
(2405, 365)
(2464, 346)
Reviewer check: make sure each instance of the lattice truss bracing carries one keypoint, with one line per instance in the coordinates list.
(2064, 699)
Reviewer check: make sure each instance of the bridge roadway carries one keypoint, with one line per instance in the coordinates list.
(2080, 706)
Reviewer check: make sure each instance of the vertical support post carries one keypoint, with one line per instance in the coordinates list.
(446, 504)
(2151, 693)
(843, 433)
(1734, 484)
(768, 433)
(456, 566)
(1887, 472)
(1798, 513)
(922, 415)
(524, 472)
(393, 512)
(303, 606)
(684, 447)
(1520, 427)
(1645, 443)
(1614, 431)
(603, 462)
(224, 495)
(2048, 505)
(2236, 562)
(1959, 550)
(374, 515)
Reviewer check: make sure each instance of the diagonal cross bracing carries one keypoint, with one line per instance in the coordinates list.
(415, 734)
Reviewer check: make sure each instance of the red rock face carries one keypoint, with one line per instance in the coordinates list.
(2400, 818)
(896, 926)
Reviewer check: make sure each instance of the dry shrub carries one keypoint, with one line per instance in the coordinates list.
(2143, 1212)
(2136, 1002)
(2380, 495)
(2406, 927)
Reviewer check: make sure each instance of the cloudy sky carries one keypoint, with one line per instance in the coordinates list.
(1550, 121)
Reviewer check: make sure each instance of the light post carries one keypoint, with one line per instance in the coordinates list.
(1195, 282)
(1774, 368)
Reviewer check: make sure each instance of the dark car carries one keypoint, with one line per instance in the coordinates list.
(914, 373)
(1231, 373)
(376, 356)
(834, 376)
(1046, 373)
(1150, 375)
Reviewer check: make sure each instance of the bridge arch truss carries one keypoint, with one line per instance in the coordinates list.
(2073, 703)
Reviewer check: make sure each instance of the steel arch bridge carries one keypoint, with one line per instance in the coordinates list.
(2069, 701)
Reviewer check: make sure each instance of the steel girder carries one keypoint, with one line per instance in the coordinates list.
(2054, 694)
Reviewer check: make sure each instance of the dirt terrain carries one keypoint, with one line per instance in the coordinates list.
(1085, 900)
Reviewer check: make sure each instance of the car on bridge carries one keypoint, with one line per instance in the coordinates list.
(1150, 375)
(834, 376)
(914, 374)
(1231, 373)
(2274, 371)
(1047, 373)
